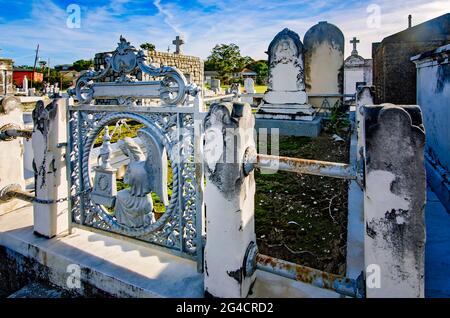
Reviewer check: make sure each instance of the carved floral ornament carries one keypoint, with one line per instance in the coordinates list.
(172, 89)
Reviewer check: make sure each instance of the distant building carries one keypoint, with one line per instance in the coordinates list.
(70, 76)
(63, 67)
(210, 75)
(394, 75)
(19, 75)
(357, 72)
(6, 75)
(246, 73)
(191, 66)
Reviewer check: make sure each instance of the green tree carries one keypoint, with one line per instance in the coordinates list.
(25, 67)
(82, 65)
(148, 46)
(261, 68)
(226, 59)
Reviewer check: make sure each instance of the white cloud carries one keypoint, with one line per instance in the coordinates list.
(168, 17)
(250, 24)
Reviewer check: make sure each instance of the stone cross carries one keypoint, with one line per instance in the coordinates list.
(354, 41)
(178, 42)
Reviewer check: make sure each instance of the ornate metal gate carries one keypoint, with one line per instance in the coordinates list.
(166, 147)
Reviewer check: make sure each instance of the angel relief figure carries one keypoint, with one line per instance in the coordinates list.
(285, 52)
(145, 173)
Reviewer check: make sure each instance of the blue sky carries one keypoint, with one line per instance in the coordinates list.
(250, 24)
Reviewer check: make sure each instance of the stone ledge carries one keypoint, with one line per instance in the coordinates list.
(118, 268)
(308, 128)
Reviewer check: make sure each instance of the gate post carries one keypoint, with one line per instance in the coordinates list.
(49, 147)
(364, 96)
(11, 152)
(230, 154)
(355, 224)
(394, 201)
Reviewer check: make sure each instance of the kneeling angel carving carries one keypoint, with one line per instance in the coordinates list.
(145, 173)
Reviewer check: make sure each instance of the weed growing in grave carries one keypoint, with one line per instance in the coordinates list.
(338, 122)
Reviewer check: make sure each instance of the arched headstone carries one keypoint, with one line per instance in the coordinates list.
(249, 85)
(286, 96)
(324, 61)
(25, 84)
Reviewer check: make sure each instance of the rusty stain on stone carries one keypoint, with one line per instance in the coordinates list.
(302, 273)
(307, 166)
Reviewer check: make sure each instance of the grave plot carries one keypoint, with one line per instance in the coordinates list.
(303, 218)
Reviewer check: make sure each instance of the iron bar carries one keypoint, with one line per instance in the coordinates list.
(68, 153)
(340, 284)
(80, 165)
(12, 133)
(305, 166)
(331, 95)
(214, 98)
(134, 109)
(14, 191)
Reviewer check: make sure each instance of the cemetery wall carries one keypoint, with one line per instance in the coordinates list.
(190, 66)
(392, 67)
(6, 74)
(433, 96)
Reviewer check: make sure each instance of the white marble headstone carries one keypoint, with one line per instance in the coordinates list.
(286, 97)
(25, 84)
(249, 85)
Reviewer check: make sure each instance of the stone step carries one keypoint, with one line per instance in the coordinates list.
(39, 290)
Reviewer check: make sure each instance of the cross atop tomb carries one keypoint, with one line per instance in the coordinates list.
(354, 41)
(178, 42)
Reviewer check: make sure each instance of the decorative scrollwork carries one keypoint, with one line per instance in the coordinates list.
(101, 211)
(125, 60)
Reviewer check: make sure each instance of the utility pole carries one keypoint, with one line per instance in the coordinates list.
(34, 66)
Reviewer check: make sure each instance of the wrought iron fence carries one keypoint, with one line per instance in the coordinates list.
(167, 147)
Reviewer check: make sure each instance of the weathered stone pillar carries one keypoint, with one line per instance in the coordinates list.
(364, 96)
(394, 200)
(230, 251)
(355, 224)
(11, 151)
(49, 139)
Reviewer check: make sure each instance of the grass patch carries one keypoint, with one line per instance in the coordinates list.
(302, 218)
(260, 89)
